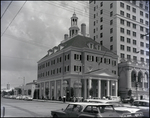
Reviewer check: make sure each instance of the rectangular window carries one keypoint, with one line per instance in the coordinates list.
(134, 42)
(111, 39)
(147, 61)
(111, 30)
(111, 5)
(147, 53)
(141, 13)
(134, 26)
(121, 4)
(146, 30)
(147, 45)
(122, 13)
(128, 32)
(128, 7)
(128, 48)
(134, 50)
(77, 68)
(111, 22)
(147, 38)
(142, 59)
(122, 30)
(101, 35)
(122, 47)
(128, 40)
(146, 15)
(128, 57)
(142, 52)
(122, 55)
(77, 57)
(101, 4)
(101, 27)
(141, 5)
(146, 22)
(134, 58)
(141, 28)
(122, 21)
(133, 10)
(111, 47)
(133, 17)
(94, 15)
(90, 58)
(134, 34)
(101, 12)
(128, 23)
(111, 13)
(128, 15)
(141, 44)
(141, 20)
(101, 19)
(122, 38)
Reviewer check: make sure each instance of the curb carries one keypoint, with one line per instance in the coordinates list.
(51, 101)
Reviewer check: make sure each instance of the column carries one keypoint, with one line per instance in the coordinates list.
(142, 83)
(55, 90)
(128, 73)
(99, 88)
(62, 92)
(111, 88)
(44, 89)
(116, 89)
(85, 88)
(108, 88)
(49, 90)
(89, 86)
(40, 90)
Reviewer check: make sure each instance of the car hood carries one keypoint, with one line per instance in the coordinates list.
(114, 115)
(131, 110)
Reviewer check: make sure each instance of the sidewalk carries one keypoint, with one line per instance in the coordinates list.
(51, 101)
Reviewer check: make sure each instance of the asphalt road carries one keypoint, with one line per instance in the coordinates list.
(22, 108)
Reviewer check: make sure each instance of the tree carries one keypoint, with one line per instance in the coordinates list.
(29, 92)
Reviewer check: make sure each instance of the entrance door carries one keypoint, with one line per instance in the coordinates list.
(141, 97)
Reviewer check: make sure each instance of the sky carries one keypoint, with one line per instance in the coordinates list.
(29, 29)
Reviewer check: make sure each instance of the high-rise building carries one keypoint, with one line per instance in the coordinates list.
(123, 27)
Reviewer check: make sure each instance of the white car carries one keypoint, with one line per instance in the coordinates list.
(143, 105)
(28, 98)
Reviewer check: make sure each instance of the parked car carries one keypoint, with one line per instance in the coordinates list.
(120, 108)
(28, 98)
(143, 105)
(126, 100)
(86, 109)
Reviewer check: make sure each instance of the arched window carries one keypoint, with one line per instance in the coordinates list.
(140, 77)
(133, 76)
(146, 78)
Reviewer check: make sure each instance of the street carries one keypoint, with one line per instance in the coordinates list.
(22, 108)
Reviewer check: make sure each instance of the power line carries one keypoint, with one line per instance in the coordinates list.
(13, 19)
(6, 9)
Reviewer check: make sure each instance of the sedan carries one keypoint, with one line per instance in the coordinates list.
(86, 109)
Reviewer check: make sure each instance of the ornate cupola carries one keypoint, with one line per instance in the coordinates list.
(73, 30)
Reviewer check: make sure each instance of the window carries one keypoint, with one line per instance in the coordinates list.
(101, 19)
(101, 4)
(134, 42)
(146, 8)
(94, 38)
(128, 48)
(129, 57)
(111, 13)
(77, 68)
(147, 45)
(122, 13)
(111, 22)
(146, 22)
(128, 7)
(147, 38)
(101, 35)
(135, 58)
(133, 10)
(146, 15)
(134, 26)
(121, 4)
(141, 13)
(141, 44)
(141, 36)
(94, 23)
(146, 30)
(128, 40)
(141, 20)
(122, 55)
(128, 23)
(111, 5)
(101, 42)
(142, 59)
(133, 17)
(90, 58)
(134, 34)
(94, 15)
(111, 30)
(122, 21)
(142, 52)
(111, 47)
(141, 28)
(94, 8)
(134, 2)
(122, 47)
(134, 50)
(111, 39)
(101, 27)
(147, 53)
(122, 30)
(101, 12)
(147, 61)
(122, 38)
(128, 15)
(128, 32)
(77, 57)
(141, 5)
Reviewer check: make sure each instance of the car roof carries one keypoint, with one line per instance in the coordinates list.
(89, 103)
(142, 101)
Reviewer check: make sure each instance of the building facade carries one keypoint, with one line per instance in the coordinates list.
(78, 67)
(123, 27)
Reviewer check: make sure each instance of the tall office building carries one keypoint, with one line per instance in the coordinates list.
(123, 27)
(120, 26)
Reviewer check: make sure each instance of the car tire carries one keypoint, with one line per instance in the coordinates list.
(55, 116)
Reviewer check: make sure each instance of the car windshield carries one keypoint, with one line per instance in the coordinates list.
(105, 109)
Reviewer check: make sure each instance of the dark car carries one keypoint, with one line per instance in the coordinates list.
(85, 109)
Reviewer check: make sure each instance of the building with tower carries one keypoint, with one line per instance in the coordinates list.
(78, 67)
(123, 27)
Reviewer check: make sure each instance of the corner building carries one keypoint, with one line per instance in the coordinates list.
(123, 27)
(78, 66)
